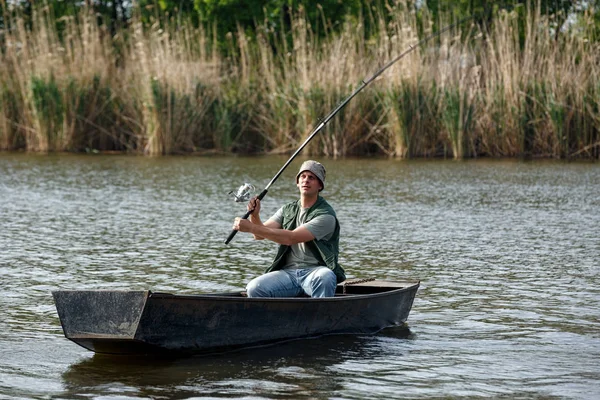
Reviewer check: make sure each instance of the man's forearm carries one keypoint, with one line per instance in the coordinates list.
(256, 221)
(277, 235)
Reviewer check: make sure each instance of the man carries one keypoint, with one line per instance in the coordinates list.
(308, 233)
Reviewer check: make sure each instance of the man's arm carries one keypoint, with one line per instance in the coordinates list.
(254, 206)
(269, 224)
(272, 231)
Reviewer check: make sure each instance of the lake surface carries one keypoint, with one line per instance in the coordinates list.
(508, 254)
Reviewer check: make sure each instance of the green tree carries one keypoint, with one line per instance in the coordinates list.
(180, 10)
(276, 15)
(112, 13)
(559, 9)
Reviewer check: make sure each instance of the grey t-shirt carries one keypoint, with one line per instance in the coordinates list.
(321, 227)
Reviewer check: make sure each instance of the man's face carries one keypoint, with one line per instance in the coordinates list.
(308, 183)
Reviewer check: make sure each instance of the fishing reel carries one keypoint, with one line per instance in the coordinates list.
(243, 193)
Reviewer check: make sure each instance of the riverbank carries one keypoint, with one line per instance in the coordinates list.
(517, 91)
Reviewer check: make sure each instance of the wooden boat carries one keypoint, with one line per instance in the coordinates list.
(144, 322)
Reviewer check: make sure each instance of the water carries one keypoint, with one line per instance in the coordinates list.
(508, 254)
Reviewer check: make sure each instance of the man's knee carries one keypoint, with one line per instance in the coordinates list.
(254, 289)
(326, 275)
(324, 283)
(271, 284)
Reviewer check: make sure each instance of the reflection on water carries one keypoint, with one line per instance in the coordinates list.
(301, 368)
(507, 254)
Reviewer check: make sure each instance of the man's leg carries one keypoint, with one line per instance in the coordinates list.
(318, 282)
(274, 284)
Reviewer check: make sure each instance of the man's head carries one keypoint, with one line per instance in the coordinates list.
(316, 168)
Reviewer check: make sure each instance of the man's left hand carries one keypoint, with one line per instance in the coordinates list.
(242, 225)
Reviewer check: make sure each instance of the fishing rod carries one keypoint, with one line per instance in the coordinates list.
(244, 191)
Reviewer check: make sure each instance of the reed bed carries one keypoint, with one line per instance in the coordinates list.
(162, 89)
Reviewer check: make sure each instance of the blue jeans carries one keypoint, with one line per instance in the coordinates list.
(315, 282)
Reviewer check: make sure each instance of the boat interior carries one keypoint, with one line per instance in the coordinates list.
(346, 288)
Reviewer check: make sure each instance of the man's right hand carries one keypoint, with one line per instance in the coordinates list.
(254, 206)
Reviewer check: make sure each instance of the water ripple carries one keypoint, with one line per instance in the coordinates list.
(507, 253)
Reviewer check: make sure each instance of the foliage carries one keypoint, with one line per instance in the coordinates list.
(521, 91)
(275, 17)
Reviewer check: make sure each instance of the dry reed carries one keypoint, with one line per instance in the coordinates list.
(167, 89)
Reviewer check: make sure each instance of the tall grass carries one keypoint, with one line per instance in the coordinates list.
(166, 88)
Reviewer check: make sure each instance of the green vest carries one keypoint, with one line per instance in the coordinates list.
(326, 251)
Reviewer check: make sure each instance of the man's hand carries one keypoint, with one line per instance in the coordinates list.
(242, 225)
(254, 206)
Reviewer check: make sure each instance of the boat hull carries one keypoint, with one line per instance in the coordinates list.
(142, 322)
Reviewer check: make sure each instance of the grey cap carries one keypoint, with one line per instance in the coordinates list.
(316, 168)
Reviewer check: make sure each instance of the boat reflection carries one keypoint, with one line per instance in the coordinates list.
(294, 368)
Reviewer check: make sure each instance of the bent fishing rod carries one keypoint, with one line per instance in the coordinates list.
(245, 190)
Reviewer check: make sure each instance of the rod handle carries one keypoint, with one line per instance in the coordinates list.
(245, 216)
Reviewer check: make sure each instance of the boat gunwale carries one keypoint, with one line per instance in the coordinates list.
(235, 296)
